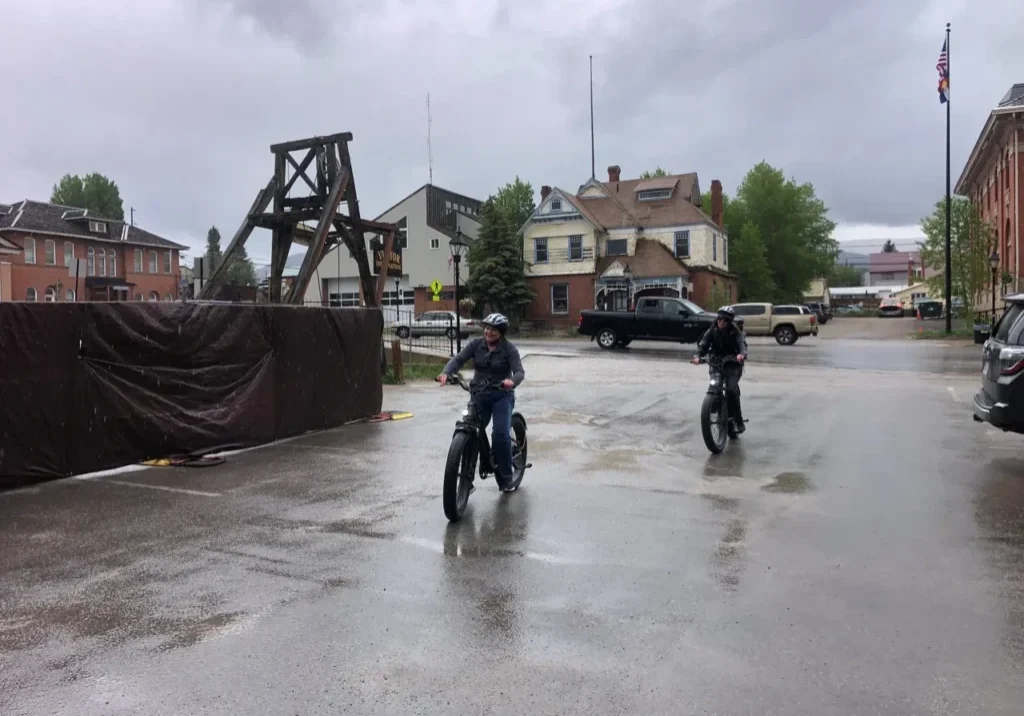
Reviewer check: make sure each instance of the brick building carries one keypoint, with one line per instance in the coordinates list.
(612, 242)
(39, 242)
(991, 178)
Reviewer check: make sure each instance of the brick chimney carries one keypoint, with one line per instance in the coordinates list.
(716, 203)
(613, 173)
(544, 191)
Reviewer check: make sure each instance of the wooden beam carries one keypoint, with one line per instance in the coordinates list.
(315, 251)
(300, 170)
(281, 236)
(353, 202)
(357, 247)
(311, 142)
(382, 277)
(220, 273)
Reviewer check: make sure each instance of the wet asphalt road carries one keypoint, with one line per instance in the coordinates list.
(859, 551)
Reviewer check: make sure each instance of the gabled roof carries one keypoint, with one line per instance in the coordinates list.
(36, 217)
(652, 259)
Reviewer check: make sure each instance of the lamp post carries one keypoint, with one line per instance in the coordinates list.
(458, 247)
(398, 299)
(628, 275)
(993, 261)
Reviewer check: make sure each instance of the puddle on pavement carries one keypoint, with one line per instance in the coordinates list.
(615, 459)
(721, 502)
(727, 556)
(789, 482)
(193, 632)
(562, 417)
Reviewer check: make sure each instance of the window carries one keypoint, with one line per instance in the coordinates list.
(152, 262)
(650, 305)
(30, 253)
(556, 205)
(98, 227)
(786, 310)
(682, 249)
(50, 247)
(90, 262)
(139, 297)
(168, 297)
(653, 194)
(69, 253)
(749, 310)
(435, 243)
(617, 247)
(725, 251)
(50, 295)
(69, 295)
(1007, 321)
(30, 294)
(102, 263)
(714, 247)
(575, 248)
(112, 263)
(540, 251)
(154, 296)
(888, 277)
(138, 260)
(560, 299)
(168, 260)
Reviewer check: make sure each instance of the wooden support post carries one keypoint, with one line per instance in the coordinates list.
(382, 277)
(220, 273)
(316, 245)
(396, 361)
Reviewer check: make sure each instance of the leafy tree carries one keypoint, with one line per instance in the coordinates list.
(497, 277)
(842, 275)
(241, 272)
(94, 192)
(792, 225)
(213, 252)
(716, 299)
(515, 201)
(971, 241)
(889, 247)
(659, 172)
(749, 260)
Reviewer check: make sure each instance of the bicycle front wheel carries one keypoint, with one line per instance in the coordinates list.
(519, 452)
(458, 475)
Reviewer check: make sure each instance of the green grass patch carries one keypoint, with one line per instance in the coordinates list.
(420, 371)
(937, 334)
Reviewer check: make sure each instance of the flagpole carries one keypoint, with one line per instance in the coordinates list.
(949, 201)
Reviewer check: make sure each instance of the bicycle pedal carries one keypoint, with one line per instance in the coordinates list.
(529, 464)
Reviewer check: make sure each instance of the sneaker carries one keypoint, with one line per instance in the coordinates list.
(741, 427)
(507, 485)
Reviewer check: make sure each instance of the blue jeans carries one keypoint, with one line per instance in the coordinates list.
(497, 405)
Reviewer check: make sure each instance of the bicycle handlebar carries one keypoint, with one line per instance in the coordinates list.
(457, 379)
(726, 359)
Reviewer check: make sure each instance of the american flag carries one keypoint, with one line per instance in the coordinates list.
(943, 67)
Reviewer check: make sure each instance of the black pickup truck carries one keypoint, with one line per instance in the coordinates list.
(655, 319)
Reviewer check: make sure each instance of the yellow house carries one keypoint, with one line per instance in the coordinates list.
(910, 295)
(613, 241)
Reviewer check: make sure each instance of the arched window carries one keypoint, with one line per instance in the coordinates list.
(69, 295)
(154, 296)
(50, 295)
(90, 262)
(168, 297)
(30, 251)
(112, 263)
(30, 294)
(103, 263)
(138, 297)
(69, 253)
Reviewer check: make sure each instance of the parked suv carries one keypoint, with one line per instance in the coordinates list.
(821, 311)
(1000, 402)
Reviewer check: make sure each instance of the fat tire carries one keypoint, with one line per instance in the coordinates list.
(609, 343)
(460, 450)
(706, 409)
(519, 434)
(785, 330)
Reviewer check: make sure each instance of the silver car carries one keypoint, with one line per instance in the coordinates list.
(437, 323)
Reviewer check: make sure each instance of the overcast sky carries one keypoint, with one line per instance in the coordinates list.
(179, 100)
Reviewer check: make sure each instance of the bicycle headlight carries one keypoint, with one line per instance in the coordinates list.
(465, 413)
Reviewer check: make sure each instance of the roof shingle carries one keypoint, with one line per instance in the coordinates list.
(42, 218)
(652, 259)
(621, 209)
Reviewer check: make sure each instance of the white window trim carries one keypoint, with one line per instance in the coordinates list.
(154, 296)
(49, 246)
(140, 261)
(579, 237)
(31, 291)
(168, 261)
(552, 297)
(102, 263)
(50, 295)
(154, 262)
(69, 295)
(90, 262)
(675, 244)
(69, 257)
(547, 250)
(29, 241)
(112, 263)
(435, 243)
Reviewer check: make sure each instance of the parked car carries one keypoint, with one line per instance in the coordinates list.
(821, 310)
(930, 308)
(657, 318)
(437, 323)
(785, 323)
(890, 307)
(1000, 402)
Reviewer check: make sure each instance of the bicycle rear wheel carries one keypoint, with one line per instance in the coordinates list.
(458, 475)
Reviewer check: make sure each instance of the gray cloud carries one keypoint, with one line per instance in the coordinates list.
(180, 102)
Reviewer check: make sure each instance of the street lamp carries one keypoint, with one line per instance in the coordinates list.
(627, 273)
(993, 261)
(398, 299)
(458, 246)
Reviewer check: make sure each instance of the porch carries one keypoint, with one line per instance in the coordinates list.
(619, 293)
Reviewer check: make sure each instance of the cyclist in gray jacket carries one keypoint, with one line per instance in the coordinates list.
(496, 362)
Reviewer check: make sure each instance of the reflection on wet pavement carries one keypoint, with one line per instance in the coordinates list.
(859, 550)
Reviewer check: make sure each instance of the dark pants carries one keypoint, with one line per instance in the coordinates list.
(497, 405)
(732, 375)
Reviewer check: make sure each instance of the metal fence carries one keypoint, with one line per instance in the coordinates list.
(429, 333)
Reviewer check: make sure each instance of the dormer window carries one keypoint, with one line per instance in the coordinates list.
(653, 194)
(98, 227)
(556, 205)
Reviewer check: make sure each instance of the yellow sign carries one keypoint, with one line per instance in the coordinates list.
(437, 297)
(435, 288)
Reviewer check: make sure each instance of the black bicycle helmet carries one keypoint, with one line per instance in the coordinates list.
(498, 321)
(727, 313)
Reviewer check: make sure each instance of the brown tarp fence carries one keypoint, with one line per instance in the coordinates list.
(92, 386)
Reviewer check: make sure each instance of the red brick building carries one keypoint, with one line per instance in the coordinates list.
(991, 178)
(39, 243)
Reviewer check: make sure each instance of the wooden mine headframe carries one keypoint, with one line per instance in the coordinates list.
(333, 184)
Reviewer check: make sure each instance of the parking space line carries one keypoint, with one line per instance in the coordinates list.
(182, 490)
